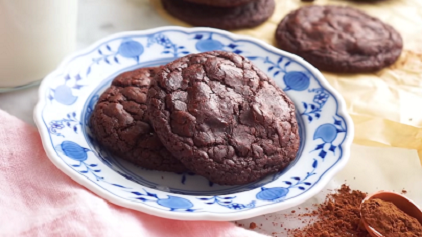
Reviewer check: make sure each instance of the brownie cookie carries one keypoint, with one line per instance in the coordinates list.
(222, 3)
(339, 39)
(119, 123)
(228, 18)
(223, 117)
(365, 1)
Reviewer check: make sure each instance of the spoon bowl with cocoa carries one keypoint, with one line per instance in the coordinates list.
(385, 213)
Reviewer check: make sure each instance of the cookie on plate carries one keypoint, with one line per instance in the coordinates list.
(223, 117)
(222, 3)
(228, 18)
(339, 39)
(119, 123)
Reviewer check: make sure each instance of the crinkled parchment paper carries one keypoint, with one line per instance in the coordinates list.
(385, 106)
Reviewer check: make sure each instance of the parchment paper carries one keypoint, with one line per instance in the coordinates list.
(385, 106)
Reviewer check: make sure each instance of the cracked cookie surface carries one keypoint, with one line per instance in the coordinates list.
(223, 117)
(339, 39)
(248, 15)
(119, 123)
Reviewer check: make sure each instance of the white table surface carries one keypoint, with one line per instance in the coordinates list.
(97, 19)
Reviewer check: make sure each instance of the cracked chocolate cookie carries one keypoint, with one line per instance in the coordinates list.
(228, 18)
(119, 123)
(339, 39)
(222, 3)
(223, 117)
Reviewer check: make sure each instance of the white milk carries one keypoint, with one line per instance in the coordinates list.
(35, 35)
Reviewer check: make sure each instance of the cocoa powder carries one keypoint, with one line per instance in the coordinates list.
(338, 216)
(389, 220)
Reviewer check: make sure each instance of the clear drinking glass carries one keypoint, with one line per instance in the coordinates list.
(35, 36)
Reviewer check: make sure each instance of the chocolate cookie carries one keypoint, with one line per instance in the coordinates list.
(228, 18)
(339, 39)
(119, 123)
(223, 117)
(222, 3)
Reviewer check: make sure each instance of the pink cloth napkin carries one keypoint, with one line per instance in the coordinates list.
(37, 199)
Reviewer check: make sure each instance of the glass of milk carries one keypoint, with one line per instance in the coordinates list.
(35, 36)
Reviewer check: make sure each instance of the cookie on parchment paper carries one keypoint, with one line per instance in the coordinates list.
(339, 39)
(228, 18)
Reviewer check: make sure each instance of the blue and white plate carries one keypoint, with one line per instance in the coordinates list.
(68, 96)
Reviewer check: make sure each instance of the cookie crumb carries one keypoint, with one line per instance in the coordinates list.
(252, 225)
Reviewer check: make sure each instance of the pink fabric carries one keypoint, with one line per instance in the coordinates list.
(37, 199)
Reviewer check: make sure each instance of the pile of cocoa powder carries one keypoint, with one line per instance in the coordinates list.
(338, 216)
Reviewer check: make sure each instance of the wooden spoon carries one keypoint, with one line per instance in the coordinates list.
(400, 201)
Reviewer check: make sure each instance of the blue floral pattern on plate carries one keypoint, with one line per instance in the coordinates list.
(69, 94)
